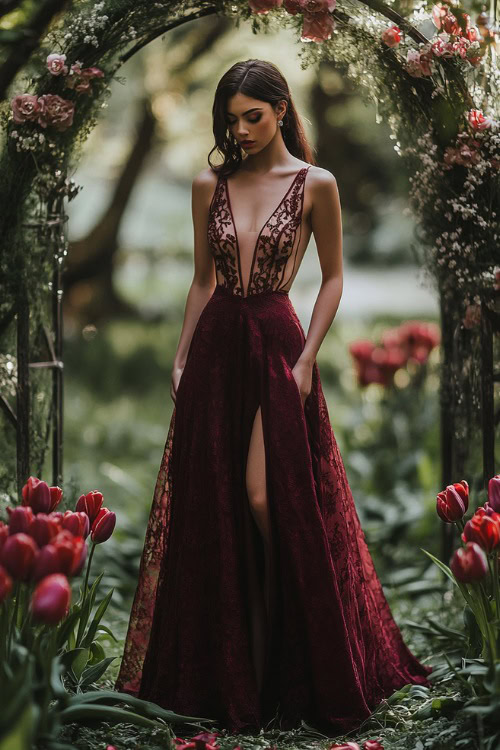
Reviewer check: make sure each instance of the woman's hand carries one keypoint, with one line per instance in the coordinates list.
(176, 377)
(302, 372)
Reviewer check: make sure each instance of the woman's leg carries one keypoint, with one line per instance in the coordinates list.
(257, 495)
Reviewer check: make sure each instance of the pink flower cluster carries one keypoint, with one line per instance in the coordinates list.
(412, 340)
(317, 23)
(52, 109)
(452, 41)
(467, 149)
(43, 547)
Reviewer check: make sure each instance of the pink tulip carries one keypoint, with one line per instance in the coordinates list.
(469, 563)
(345, 746)
(317, 27)
(90, 504)
(18, 555)
(20, 519)
(452, 503)
(103, 526)
(373, 744)
(5, 584)
(50, 600)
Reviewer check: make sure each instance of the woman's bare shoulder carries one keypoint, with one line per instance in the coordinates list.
(318, 177)
(205, 179)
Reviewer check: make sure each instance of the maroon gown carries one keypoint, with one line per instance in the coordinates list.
(333, 649)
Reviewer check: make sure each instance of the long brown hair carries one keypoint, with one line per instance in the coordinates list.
(261, 80)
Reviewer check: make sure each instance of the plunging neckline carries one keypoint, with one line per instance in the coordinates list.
(302, 169)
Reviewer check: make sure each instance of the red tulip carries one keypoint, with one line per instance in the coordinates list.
(452, 503)
(69, 550)
(77, 523)
(47, 561)
(43, 528)
(51, 598)
(483, 529)
(20, 519)
(41, 497)
(494, 493)
(103, 526)
(5, 584)
(373, 744)
(18, 555)
(469, 563)
(36, 494)
(90, 504)
(4, 533)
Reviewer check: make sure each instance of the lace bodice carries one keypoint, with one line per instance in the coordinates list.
(275, 246)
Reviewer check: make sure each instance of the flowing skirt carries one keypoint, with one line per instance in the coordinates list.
(333, 649)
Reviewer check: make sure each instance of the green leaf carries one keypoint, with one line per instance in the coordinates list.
(92, 674)
(20, 736)
(105, 629)
(80, 662)
(446, 570)
(138, 704)
(87, 641)
(105, 713)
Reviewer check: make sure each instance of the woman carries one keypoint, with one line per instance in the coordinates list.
(257, 594)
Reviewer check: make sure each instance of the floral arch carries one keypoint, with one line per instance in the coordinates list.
(434, 77)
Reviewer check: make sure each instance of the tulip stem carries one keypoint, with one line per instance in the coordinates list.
(88, 570)
(13, 621)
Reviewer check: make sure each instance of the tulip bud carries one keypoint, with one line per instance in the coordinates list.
(50, 600)
(103, 526)
(5, 584)
(18, 555)
(494, 493)
(20, 519)
(90, 504)
(452, 503)
(469, 563)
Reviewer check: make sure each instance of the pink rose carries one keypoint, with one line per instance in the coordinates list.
(391, 36)
(55, 64)
(317, 27)
(79, 78)
(441, 46)
(55, 111)
(263, 6)
(25, 107)
(477, 120)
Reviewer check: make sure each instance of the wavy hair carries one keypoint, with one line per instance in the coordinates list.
(261, 80)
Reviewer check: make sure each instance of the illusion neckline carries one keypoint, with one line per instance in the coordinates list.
(259, 234)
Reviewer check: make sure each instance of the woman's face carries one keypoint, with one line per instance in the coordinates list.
(251, 120)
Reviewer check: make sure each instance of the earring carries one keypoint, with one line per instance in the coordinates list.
(280, 123)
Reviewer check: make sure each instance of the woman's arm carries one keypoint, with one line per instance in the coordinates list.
(327, 228)
(204, 278)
